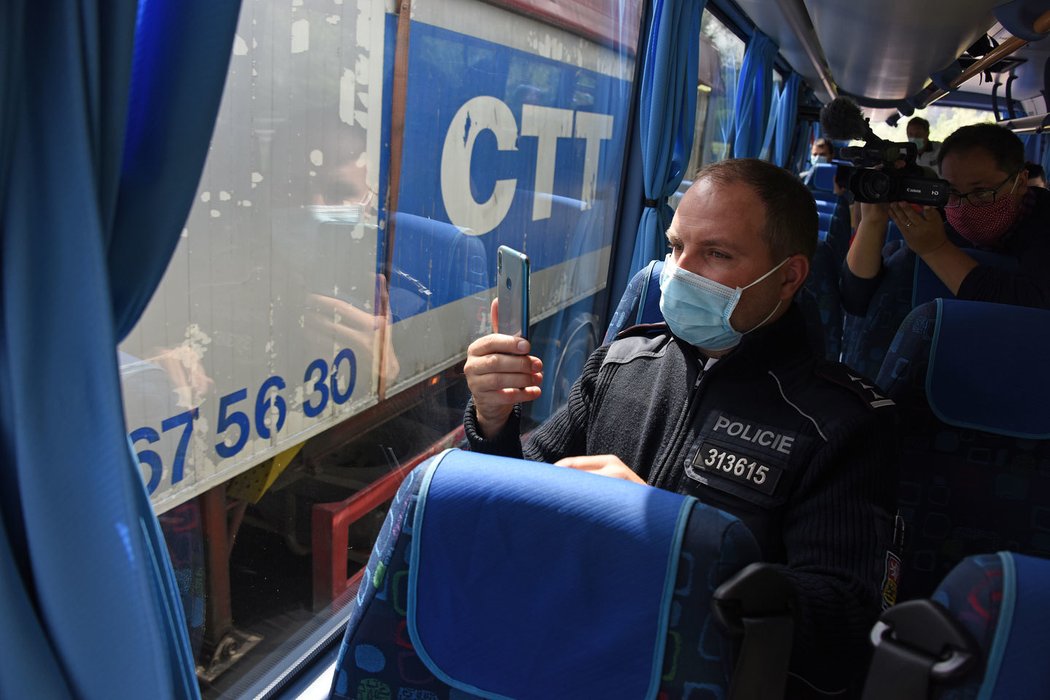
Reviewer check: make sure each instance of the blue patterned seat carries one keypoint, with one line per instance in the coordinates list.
(981, 635)
(495, 577)
(972, 384)
(907, 283)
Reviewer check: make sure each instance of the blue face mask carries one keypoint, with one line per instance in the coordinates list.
(698, 309)
(817, 159)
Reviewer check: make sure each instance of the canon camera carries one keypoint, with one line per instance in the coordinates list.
(883, 171)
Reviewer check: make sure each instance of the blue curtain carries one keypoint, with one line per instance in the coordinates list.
(108, 110)
(754, 94)
(766, 152)
(667, 117)
(786, 121)
(730, 74)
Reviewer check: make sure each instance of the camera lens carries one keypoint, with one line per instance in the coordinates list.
(508, 283)
(870, 185)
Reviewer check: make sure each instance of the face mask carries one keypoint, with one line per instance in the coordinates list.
(984, 225)
(919, 142)
(817, 159)
(698, 309)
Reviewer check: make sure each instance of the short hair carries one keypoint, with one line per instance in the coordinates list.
(824, 142)
(1000, 142)
(1034, 170)
(919, 121)
(791, 211)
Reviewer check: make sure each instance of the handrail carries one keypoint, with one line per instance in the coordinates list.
(798, 19)
(1035, 122)
(932, 93)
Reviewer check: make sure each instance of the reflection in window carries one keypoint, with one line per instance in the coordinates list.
(306, 344)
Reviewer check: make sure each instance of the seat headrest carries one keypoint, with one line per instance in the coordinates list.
(482, 611)
(988, 368)
(824, 176)
(1003, 601)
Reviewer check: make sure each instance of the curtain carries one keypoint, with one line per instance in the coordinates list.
(766, 152)
(754, 94)
(667, 116)
(787, 118)
(108, 111)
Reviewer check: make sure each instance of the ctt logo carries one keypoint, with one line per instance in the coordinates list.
(547, 124)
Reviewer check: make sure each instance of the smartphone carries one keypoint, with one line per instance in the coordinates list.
(512, 290)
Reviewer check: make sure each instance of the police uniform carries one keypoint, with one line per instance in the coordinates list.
(802, 450)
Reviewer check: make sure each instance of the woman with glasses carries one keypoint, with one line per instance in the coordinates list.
(990, 207)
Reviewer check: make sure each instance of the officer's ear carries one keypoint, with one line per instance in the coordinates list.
(795, 270)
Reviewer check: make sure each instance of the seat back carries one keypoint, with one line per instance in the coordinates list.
(434, 263)
(907, 282)
(640, 302)
(495, 577)
(981, 635)
(973, 387)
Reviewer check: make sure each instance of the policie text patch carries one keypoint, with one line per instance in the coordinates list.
(744, 452)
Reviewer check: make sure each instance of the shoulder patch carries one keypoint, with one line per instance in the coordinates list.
(644, 329)
(632, 346)
(864, 388)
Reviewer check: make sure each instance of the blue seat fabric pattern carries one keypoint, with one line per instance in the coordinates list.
(906, 282)
(970, 387)
(1003, 601)
(379, 659)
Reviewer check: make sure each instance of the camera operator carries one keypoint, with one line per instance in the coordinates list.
(990, 206)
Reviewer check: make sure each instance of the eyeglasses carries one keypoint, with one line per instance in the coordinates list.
(980, 197)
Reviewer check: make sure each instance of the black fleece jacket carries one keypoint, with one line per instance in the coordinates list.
(802, 450)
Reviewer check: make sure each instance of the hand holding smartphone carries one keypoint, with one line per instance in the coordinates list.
(512, 285)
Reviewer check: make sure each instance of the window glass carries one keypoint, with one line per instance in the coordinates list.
(943, 121)
(721, 56)
(305, 346)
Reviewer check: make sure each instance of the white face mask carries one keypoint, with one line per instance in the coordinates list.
(817, 159)
(919, 142)
(697, 309)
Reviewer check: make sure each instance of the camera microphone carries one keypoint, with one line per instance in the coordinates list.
(841, 119)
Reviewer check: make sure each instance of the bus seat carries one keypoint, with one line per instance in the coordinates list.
(893, 233)
(906, 284)
(823, 179)
(434, 263)
(823, 285)
(640, 304)
(973, 387)
(980, 635)
(927, 286)
(497, 577)
(824, 224)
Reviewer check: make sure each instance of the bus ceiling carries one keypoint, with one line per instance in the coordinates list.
(889, 53)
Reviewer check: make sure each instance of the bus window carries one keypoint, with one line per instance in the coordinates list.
(304, 346)
(721, 55)
(729, 52)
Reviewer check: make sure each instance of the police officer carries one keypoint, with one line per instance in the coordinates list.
(728, 403)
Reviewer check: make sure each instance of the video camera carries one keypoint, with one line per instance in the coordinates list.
(878, 175)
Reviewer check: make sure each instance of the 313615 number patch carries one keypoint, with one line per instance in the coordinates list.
(714, 459)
